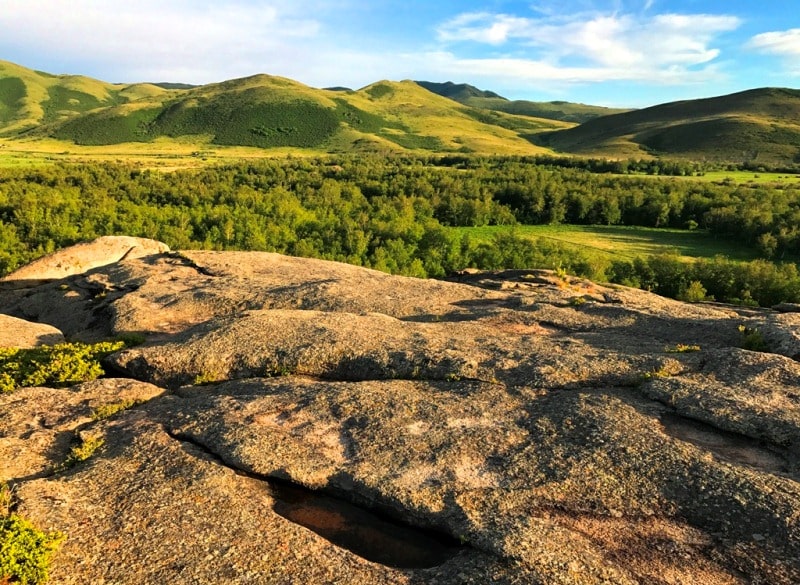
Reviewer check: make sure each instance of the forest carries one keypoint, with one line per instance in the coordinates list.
(394, 214)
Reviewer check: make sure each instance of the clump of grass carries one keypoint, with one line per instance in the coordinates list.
(53, 365)
(683, 348)
(205, 378)
(88, 446)
(108, 410)
(666, 370)
(25, 551)
(752, 339)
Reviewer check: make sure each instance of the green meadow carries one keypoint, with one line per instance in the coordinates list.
(622, 242)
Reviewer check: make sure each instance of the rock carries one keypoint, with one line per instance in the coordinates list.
(80, 258)
(781, 333)
(39, 425)
(557, 430)
(16, 332)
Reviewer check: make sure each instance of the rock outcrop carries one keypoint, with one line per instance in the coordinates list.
(82, 257)
(16, 332)
(538, 429)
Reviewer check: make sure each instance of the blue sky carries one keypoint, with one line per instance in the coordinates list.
(606, 52)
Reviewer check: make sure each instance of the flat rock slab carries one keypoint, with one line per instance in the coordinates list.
(562, 431)
(15, 332)
(38, 426)
(79, 258)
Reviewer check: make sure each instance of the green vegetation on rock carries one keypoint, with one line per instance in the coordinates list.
(25, 551)
(62, 364)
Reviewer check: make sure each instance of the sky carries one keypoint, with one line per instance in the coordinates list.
(625, 53)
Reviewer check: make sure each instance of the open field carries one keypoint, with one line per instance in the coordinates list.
(624, 243)
(164, 154)
(747, 177)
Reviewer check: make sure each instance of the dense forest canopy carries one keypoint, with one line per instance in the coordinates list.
(393, 214)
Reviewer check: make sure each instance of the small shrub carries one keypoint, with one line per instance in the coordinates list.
(132, 339)
(752, 339)
(56, 365)
(79, 453)
(683, 348)
(694, 293)
(25, 551)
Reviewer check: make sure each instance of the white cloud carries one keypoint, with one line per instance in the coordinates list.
(785, 43)
(592, 47)
(198, 39)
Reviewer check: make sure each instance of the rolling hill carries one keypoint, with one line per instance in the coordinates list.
(755, 126)
(259, 111)
(29, 99)
(760, 126)
(488, 100)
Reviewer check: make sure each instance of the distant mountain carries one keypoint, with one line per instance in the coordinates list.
(759, 125)
(488, 100)
(169, 85)
(259, 111)
(263, 111)
(458, 91)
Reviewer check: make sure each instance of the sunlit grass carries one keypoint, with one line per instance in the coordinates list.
(624, 243)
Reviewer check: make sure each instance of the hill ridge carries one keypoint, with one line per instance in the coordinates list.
(265, 111)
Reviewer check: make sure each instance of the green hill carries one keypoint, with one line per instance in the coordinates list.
(30, 98)
(488, 100)
(268, 112)
(260, 111)
(759, 125)
(458, 91)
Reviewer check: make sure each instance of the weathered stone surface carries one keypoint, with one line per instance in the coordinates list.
(16, 332)
(781, 333)
(566, 432)
(82, 257)
(39, 425)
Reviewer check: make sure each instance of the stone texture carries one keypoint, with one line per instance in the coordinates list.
(16, 332)
(82, 257)
(560, 429)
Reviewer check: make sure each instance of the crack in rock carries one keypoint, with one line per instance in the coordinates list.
(357, 529)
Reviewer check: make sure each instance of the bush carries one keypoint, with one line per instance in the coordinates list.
(25, 551)
(62, 364)
(694, 293)
(752, 339)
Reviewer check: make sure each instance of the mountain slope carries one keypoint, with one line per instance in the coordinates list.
(458, 91)
(30, 98)
(258, 111)
(488, 100)
(760, 125)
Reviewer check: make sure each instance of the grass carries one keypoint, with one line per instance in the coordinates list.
(624, 243)
(748, 177)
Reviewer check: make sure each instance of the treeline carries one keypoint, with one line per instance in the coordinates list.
(392, 214)
(759, 282)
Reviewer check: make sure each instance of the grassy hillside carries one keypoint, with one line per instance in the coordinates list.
(272, 112)
(30, 98)
(488, 100)
(761, 125)
(458, 91)
(70, 112)
(606, 243)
